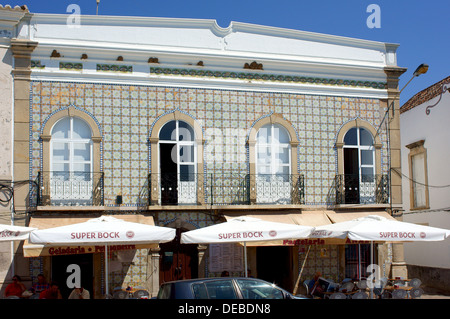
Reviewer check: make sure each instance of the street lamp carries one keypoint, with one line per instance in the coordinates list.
(421, 69)
(98, 2)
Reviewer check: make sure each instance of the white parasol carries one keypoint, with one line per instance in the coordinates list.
(11, 232)
(103, 230)
(377, 228)
(244, 229)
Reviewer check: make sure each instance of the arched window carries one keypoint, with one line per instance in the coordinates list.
(273, 165)
(71, 146)
(359, 165)
(273, 151)
(177, 163)
(71, 162)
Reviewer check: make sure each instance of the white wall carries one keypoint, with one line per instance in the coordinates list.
(5, 149)
(5, 113)
(434, 128)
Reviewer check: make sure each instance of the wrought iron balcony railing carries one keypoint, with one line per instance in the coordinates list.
(58, 188)
(225, 189)
(364, 189)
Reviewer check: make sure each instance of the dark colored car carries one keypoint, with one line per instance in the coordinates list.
(222, 288)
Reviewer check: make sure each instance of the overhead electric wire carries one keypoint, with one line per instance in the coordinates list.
(423, 184)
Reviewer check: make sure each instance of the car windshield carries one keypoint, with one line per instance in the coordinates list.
(254, 289)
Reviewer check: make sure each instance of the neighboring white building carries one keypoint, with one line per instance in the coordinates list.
(425, 136)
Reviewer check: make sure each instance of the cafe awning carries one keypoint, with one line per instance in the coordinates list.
(304, 218)
(313, 218)
(45, 222)
(338, 217)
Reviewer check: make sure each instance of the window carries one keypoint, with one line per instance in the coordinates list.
(71, 164)
(220, 289)
(273, 165)
(357, 259)
(254, 289)
(418, 175)
(359, 166)
(178, 169)
(273, 151)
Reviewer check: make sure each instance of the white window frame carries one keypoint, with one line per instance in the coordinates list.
(187, 190)
(367, 189)
(361, 148)
(275, 187)
(275, 148)
(72, 187)
(71, 141)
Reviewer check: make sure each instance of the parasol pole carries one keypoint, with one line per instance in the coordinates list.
(245, 259)
(359, 262)
(106, 271)
(371, 262)
(301, 271)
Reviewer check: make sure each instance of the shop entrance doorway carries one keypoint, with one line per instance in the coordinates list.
(67, 269)
(178, 261)
(274, 264)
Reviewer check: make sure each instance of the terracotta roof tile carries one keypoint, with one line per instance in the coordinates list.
(425, 95)
(16, 8)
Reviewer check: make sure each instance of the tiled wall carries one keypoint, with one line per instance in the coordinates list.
(126, 113)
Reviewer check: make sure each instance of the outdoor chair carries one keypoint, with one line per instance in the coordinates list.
(360, 295)
(141, 294)
(348, 286)
(332, 287)
(120, 295)
(362, 284)
(338, 295)
(416, 293)
(415, 283)
(399, 294)
(306, 285)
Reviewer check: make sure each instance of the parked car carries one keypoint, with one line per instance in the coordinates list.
(222, 288)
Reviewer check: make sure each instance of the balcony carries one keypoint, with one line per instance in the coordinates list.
(70, 189)
(225, 189)
(364, 189)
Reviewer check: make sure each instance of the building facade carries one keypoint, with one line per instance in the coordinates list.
(10, 17)
(181, 123)
(425, 178)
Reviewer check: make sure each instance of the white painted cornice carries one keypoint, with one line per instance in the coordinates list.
(203, 36)
(182, 43)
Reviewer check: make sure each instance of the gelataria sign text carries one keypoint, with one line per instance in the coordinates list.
(73, 250)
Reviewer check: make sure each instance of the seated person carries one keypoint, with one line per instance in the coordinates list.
(41, 285)
(79, 293)
(315, 286)
(52, 292)
(15, 289)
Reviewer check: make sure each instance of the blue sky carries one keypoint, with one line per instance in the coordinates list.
(420, 27)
